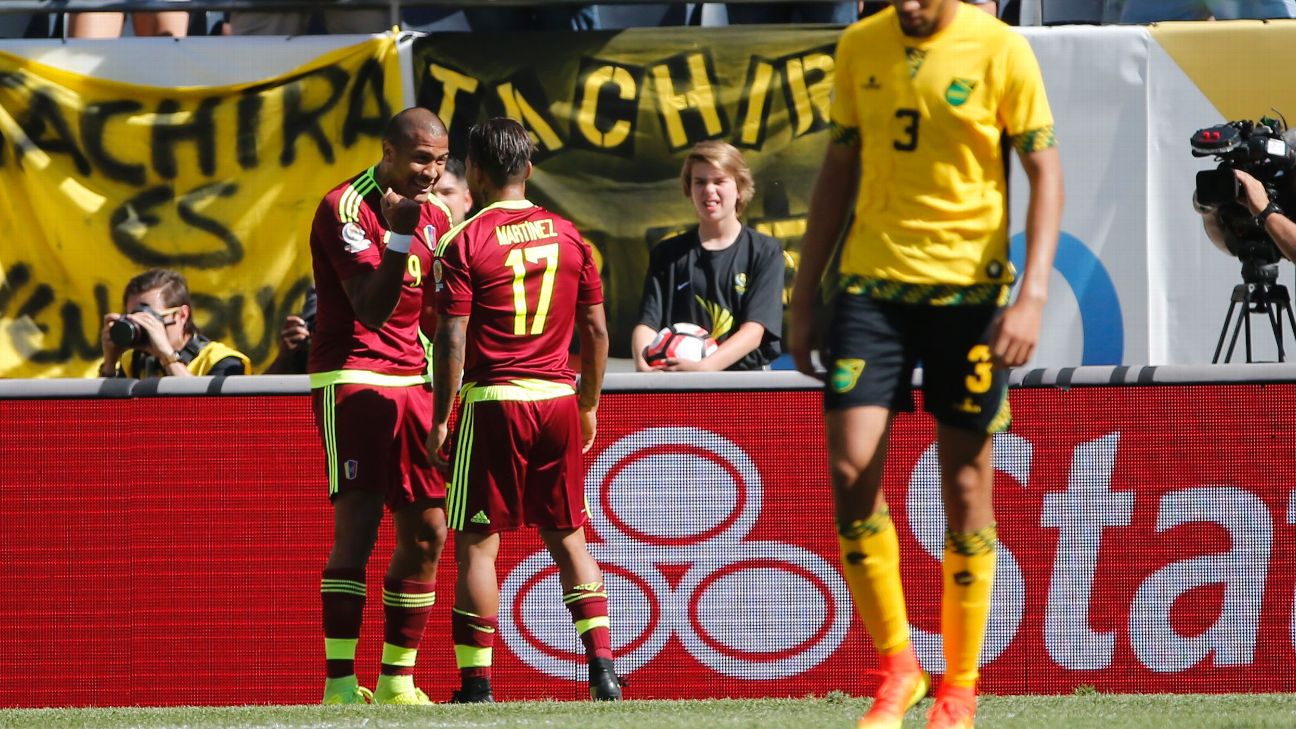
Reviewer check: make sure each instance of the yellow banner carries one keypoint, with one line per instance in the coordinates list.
(101, 180)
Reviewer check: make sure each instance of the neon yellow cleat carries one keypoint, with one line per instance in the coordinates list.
(955, 708)
(346, 691)
(407, 698)
(399, 692)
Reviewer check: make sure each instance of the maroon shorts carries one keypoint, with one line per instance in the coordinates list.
(517, 463)
(375, 439)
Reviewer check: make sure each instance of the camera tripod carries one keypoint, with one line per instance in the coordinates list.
(1261, 293)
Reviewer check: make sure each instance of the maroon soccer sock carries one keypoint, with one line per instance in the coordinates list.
(406, 607)
(588, 606)
(474, 639)
(342, 592)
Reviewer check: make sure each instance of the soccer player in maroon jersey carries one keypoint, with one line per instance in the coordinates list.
(371, 244)
(512, 282)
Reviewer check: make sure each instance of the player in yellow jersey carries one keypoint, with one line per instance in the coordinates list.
(924, 92)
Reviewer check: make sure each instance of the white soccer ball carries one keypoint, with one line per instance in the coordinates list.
(681, 341)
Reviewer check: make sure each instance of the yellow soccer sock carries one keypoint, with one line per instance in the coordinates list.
(870, 554)
(965, 603)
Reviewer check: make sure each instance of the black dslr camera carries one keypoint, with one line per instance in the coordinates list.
(1260, 149)
(127, 334)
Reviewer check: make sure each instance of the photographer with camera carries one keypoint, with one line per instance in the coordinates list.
(157, 337)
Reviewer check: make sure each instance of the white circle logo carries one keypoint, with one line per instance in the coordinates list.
(683, 497)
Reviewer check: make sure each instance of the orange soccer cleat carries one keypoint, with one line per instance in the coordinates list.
(904, 684)
(955, 708)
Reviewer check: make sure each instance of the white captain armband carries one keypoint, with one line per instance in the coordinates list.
(399, 242)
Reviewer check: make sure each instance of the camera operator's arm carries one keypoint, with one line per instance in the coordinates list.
(1212, 223)
(1277, 224)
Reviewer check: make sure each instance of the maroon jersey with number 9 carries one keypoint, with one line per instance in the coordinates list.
(518, 272)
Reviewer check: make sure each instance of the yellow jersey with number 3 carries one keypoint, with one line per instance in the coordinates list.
(928, 115)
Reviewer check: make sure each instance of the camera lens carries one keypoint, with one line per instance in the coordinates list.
(125, 333)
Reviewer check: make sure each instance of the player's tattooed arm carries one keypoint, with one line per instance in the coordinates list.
(447, 372)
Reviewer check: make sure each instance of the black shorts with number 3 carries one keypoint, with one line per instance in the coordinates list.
(874, 345)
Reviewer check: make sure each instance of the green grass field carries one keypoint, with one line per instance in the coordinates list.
(1096, 711)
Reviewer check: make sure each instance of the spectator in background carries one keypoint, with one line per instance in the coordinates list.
(839, 13)
(561, 17)
(869, 7)
(1152, 11)
(721, 275)
(453, 190)
(294, 340)
(1061, 12)
(110, 25)
(24, 25)
(358, 20)
(157, 336)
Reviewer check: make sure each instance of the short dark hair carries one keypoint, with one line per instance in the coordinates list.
(501, 148)
(174, 287)
(400, 128)
(455, 166)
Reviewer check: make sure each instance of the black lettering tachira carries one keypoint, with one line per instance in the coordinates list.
(94, 123)
(367, 86)
(299, 120)
(249, 127)
(45, 117)
(169, 131)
